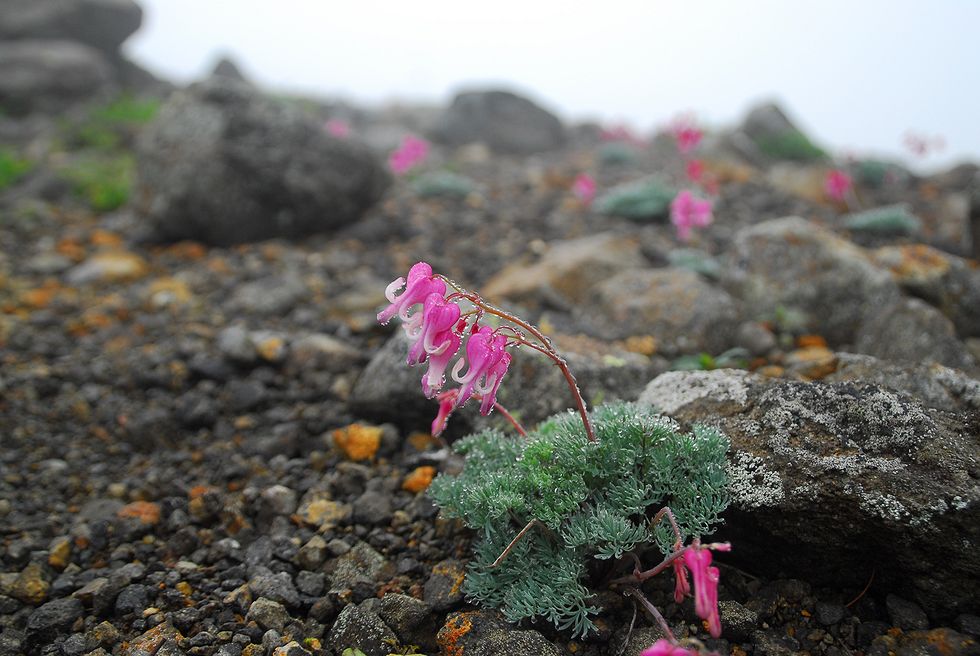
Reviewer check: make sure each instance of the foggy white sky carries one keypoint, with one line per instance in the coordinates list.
(857, 75)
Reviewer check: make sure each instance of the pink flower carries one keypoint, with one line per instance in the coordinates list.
(408, 155)
(698, 560)
(584, 188)
(487, 366)
(686, 134)
(837, 184)
(420, 284)
(694, 170)
(447, 403)
(687, 212)
(338, 128)
(435, 335)
(664, 647)
(681, 586)
(621, 133)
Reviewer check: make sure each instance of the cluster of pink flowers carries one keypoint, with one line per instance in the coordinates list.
(412, 152)
(688, 212)
(838, 185)
(664, 647)
(435, 322)
(697, 559)
(584, 188)
(336, 127)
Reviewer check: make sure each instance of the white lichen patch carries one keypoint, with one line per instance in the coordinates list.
(673, 390)
(752, 484)
(881, 505)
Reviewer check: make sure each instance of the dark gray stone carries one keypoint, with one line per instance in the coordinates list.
(488, 636)
(373, 508)
(268, 614)
(53, 618)
(277, 587)
(360, 629)
(504, 121)
(50, 76)
(223, 164)
(102, 24)
(905, 614)
(133, 599)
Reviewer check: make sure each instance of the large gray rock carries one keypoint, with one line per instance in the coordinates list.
(223, 164)
(912, 331)
(793, 264)
(102, 24)
(504, 121)
(50, 76)
(834, 480)
(682, 311)
(361, 629)
(479, 633)
(767, 134)
(950, 283)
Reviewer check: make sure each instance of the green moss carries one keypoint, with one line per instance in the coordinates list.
(112, 126)
(647, 199)
(593, 500)
(876, 173)
(103, 182)
(793, 146)
(12, 167)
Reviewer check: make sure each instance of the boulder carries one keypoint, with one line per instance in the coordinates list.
(101, 24)
(682, 311)
(50, 76)
(223, 164)
(504, 121)
(912, 331)
(791, 264)
(566, 273)
(837, 480)
(768, 135)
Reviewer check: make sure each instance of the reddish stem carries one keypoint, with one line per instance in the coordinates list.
(549, 349)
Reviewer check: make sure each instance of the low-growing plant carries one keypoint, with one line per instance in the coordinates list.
(102, 182)
(647, 199)
(12, 167)
(112, 126)
(614, 153)
(443, 184)
(888, 220)
(733, 358)
(695, 260)
(792, 145)
(576, 503)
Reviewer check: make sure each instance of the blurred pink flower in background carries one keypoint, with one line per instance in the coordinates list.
(408, 155)
(622, 133)
(922, 145)
(695, 170)
(686, 133)
(337, 128)
(838, 184)
(584, 188)
(688, 212)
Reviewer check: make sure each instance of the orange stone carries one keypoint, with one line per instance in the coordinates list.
(419, 479)
(811, 340)
(105, 238)
(358, 442)
(146, 511)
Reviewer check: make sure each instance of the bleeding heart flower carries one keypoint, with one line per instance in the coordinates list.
(408, 155)
(688, 212)
(584, 188)
(420, 284)
(338, 128)
(838, 184)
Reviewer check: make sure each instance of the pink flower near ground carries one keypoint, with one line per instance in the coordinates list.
(686, 134)
(421, 282)
(584, 188)
(338, 128)
(621, 133)
(408, 155)
(664, 647)
(694, 170)
(487, 366)
(447, 403)
(688, 212)
(698, 561)
(838, 184)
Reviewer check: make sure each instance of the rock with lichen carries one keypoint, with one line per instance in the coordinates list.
(833, 480)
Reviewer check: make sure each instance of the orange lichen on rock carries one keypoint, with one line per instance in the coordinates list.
(419, 479)
(357, 441)
(803, 341)
(146, 511)
(456, 626)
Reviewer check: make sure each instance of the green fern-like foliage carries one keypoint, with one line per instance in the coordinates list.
(647, 199)
(595, 500)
